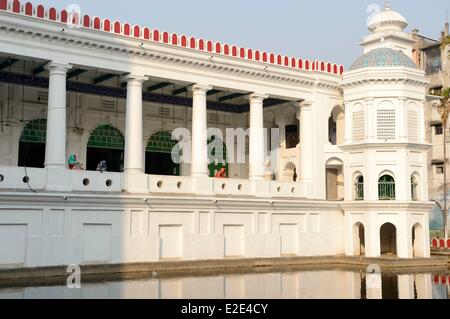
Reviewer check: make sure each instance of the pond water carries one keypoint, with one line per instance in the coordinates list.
(326, 284)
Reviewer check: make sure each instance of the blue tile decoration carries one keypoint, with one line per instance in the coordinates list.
(383, 57)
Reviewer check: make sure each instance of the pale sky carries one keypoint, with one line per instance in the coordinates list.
(322, 29)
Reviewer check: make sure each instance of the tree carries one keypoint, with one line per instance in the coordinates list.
(443, 107)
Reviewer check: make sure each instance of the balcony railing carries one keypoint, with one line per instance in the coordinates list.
(19, 178)
(359, 190)
(386, 190)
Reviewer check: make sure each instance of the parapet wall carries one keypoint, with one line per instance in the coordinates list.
(118, 28)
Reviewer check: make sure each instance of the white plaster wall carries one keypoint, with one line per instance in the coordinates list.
(374, 219)
(49, 234)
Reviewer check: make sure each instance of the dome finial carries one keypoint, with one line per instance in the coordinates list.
(386, 5)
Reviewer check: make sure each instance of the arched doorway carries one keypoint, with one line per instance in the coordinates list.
(106, 143)
(417, 241)
(158, 155)
(359, 241)
(217, 154)
(388, 239)
(32, 144)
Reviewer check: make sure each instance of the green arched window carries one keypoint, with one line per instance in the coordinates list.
(159, 159)
(32, 144)
(106, 136)
(106, 143)
(359, 188)
(161, 142)
(386, 188)
(35, 131)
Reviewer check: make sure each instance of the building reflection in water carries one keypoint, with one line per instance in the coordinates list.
(335, 284)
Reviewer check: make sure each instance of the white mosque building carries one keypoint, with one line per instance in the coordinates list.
(347, 174)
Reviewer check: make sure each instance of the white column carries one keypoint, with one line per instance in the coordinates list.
(402, 120)
(306, 143)
(281, 145)
(199, 161)
(256, 143)
(372, 236)
(348, 123)
(281, 123)
(134, 157)
(404, 236)
(422, 123)
(55, 147)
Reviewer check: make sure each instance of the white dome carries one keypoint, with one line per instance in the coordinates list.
(387, 19)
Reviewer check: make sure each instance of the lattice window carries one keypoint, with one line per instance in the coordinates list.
(108, 105)
(413, 126)
(42, 96)
(106, 136)
(358, 126)
(213, 117)
(164, 112)
(386, 124)
(35, 131)
(161, 142)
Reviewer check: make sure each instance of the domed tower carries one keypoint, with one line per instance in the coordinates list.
(386, 191)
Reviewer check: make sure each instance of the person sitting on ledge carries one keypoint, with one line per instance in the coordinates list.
(102, 167)
(73, 163)
(221, 173)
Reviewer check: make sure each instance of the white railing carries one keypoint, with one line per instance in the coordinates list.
(17, 178)
(89, 181)
(287, 190)
(234, 187)
(170, 184)
(20, 178)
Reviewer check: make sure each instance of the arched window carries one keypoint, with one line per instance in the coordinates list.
(160, 152)
(106, 143)
(32, 144)
(336, 125)
(386, 188)
(332, 137)
(359, 188)
(414, 188)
